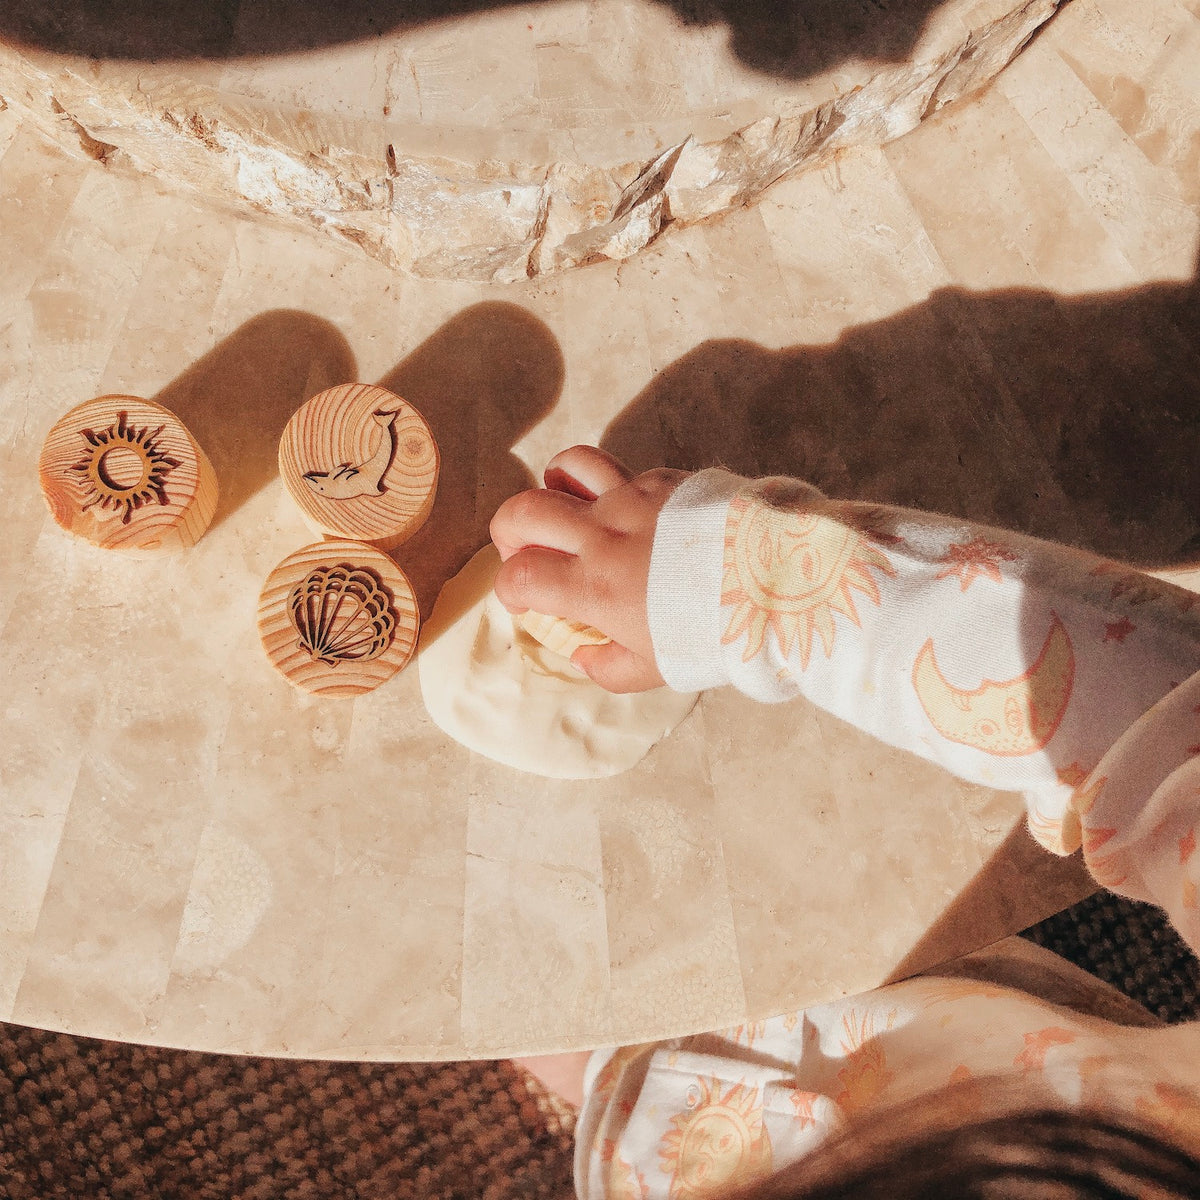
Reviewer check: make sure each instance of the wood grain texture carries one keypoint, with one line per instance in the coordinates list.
(283, 636)
(330, 444)
(126, 474)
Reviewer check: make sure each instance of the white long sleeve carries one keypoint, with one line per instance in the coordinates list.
(1011, 661)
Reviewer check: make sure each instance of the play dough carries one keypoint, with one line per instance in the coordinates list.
(499, 691)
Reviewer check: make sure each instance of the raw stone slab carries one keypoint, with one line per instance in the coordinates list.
(495, 187)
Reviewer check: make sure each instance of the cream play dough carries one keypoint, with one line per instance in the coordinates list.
(493, 687)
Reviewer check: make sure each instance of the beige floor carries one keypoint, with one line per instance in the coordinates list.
(996, 316)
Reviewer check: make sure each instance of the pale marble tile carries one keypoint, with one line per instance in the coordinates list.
(534, 924)
(188, 260)
(1140, 207)
(10, 125)
(237, 866)
(676, 295)
(392, 968)
(850, 246)
(1015, 218)
(24, 423)
(89, 278)
(116, 894)
(597, 321)
(665, 869)
(38, 187)
(797, 898)
(1140, 64)
(483, 74)
(248, 949)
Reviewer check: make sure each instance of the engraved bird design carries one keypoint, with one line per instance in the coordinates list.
(346, 481)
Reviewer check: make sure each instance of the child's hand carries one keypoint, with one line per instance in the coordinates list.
(580, 548)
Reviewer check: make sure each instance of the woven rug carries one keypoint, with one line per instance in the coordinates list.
(81, 1118)
(1131, 946)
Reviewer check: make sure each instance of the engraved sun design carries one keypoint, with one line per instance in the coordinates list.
(718, 1144)
(791, 573)
(123, 467)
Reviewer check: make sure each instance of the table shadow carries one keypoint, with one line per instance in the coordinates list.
(1036, 883)
(787, 38)
(482, 381)
(1071, 418)
(239, 396)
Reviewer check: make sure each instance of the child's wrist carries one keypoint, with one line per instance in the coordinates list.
(683, 594)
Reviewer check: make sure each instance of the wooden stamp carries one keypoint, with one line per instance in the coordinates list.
(360, 463)
(338, 618)
(126, 474)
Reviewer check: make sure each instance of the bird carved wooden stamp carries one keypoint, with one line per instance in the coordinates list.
(345, 481)
(360, 463)
(338, 618)
(126, 474)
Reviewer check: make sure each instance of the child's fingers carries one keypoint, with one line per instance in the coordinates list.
(616, 668)
(586, 472)
(547, 581)
(546, 518)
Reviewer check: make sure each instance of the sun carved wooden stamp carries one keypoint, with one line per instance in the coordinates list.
(338, 618)
(360, 463)
(126, 474)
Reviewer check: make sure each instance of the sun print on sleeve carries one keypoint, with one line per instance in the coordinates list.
(792, 573)
(866, 1072)
(625, 1181)
(718, 1144)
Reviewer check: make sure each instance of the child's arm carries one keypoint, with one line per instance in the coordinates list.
(1011, 661)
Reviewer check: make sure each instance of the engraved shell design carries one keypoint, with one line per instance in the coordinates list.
(342, 614)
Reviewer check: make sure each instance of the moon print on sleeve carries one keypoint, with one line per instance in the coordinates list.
(1010, 718)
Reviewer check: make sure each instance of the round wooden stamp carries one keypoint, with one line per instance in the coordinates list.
(338, 618)
(126, 474)
(361, 464)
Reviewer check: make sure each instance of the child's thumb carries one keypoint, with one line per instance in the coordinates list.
(617, 669)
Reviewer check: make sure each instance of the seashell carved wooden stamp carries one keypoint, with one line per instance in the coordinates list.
(360, 463)
(126, 474)
(338, 618)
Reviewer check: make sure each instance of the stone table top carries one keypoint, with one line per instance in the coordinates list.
(995, 316)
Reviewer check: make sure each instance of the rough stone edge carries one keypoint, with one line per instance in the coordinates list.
(491, 221)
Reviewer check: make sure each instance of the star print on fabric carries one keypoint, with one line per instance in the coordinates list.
(1131, 586)
(1187, 846)
(972, 560)
(1073, 774)
(1093, 839)
(1110, 871)
(1084, 799)
(1118, 631)
(1135, 588)
(1038, 1044)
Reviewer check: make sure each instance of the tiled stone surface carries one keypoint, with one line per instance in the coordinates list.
(996, 316)
(523, 141)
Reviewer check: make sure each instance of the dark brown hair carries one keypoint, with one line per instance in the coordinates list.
(920, 1151)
